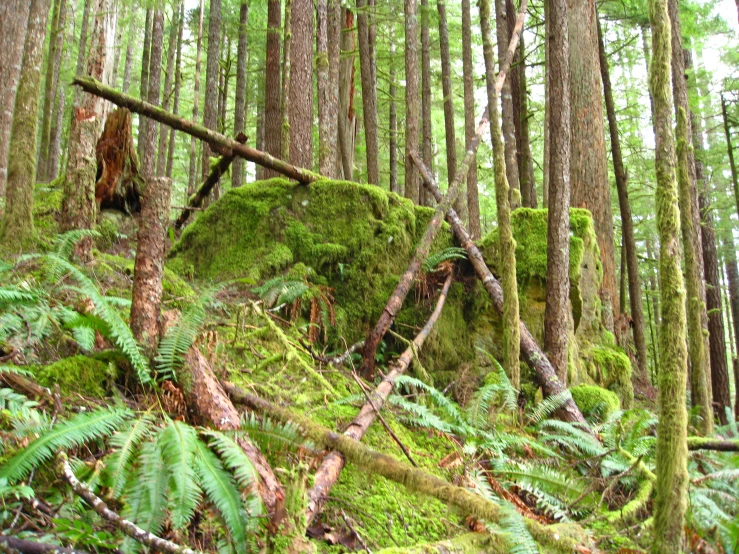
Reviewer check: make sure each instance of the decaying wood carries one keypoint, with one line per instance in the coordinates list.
(530, 350)
(702, 443)
(129, 528)
(328, 473)
(414, 479)
(33, 547)
(118, 184)
(207, 399)
(197, 199)
(218, 143)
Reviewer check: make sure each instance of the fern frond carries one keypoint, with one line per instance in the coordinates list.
(549, 405)
(177, 341)
(120, 464)
(68, 434)
(449, 407)
(64, 243)
(423, 417)
(179, 443)
(272, 436)
(570, 436)
(451, 253)
(281, 290)
(234, 458)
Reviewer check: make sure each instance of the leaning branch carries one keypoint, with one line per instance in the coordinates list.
(414, 479)
(218, 142)
(332, 464)
(535, 358)
(701, 443)
(129, 528)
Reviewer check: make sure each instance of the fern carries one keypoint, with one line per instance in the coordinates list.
(281, 290)
(570, 436)
(451, 253)
(179, 444)
(68, 434)
(449, 407)
(234, 458)
(550, 405)
(126, 441)
(177, 341)
(273, 435)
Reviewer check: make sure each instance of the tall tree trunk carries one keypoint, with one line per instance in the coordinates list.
(730, 151)
(285, 95)
(369, 95)
(163, 148)
(132, 36)
(526, 166)
(460, 205)
(672, 448)
(330, 167)
(547, 109)
(16, 226)
(507, 246)
(393, 122)
(426, 130)
(79, 207)
(411, 98)
(144, 84)
(473, 198)
(301, 85)
(272, 119)
(149, 157)
(589, 163)
(13, 25)
(627, 225)
(347, 117)
(210, 106)
(732, 276)
(196, 93)
(557, 312)
(326, 161)
(118, 43)
(237, 172)
(177, 86)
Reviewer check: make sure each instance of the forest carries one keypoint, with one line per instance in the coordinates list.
(400, 276)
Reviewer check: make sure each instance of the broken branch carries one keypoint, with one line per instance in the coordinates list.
(702, 443)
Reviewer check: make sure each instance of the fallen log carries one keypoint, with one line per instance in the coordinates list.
(532, 354)
(197, 199)
(218, 142)
(328, 472)
(414, 479)
(395, 302)
(703, 443)
(33, 547)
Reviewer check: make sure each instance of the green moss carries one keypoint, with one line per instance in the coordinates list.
(610, 367)
(594, 400)
(467, 543)
(79, 374)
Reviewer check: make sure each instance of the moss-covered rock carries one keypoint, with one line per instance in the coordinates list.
(595, 400)
(90, 376)
(610, 367)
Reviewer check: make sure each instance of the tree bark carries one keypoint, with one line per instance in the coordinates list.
(473, 196)
(58, 114)
(671, 451)
(545, 165)
(393, 123)
(730, 151)
(16, 227)
(285, 95)
(330, 167)
(272, 119)
(557, 312)
(163, 149)
(326, 159)
(347, 118)
(526, 165)
(732, 276)
(588, 160)
(196, 94)
(301, 85)
(426, 129)
(144, 84)
(369, 95)
(149, 139)
(118, 41)
(412, 189)
(177, 85)
(627, 225)
(13, 25)
(210, 106)
(237, 175)
(132, 37)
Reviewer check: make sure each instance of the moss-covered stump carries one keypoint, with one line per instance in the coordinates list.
(85, 375)
(595, 401)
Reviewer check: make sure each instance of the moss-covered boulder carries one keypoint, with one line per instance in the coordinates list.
(86, 375)
(595, 401)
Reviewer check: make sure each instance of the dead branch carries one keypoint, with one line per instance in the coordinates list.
(33, 547)
(129, 528)
(220, 167)
(218, 142)
(702, 443)
(534, 356)
(328, 473)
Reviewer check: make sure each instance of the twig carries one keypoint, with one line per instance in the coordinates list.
(353, 530)
(336, 360)
(129, 528)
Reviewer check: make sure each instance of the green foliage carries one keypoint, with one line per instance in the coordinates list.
(447, 254)
(595, 401)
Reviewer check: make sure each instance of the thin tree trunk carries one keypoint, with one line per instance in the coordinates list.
(369, 95)
(272, 118)
(732, 276)
(330, 167)
(627, 225)
(412, 189)
(347, 118)
(163, 148)
(13, 25)
(730, 151)
(326, 160)
(393, 123)
(672, 449)
(57, 118)
(547, 109)
(526, 169)
(118, 43)
(426, 129)
(237, 175)
(132, 36)
(285, 95)
(473, 197)
(144, 84)
(149, 151)
(16, 226)
(177, 85)
(301, 85)
(557, 312)
(210, 106)
(196, 93)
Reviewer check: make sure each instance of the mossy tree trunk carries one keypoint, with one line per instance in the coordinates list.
(426, 99)
(511, 322)
(301, 84)
(347, 117)
(210, 106)
(525, 158)
(148, 138)
(16, 227)
(473, 195)
(672, 449)
(195, 100)
(285, 94)
(369, 95)
(732, 276)
(332, 156)
(412, 189)
(393, 123)
(167, 93)
(177, 87)
(272, 118)
(132, 37)
(237, 175)
(144, 83)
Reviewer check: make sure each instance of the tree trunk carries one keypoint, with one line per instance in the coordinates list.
(347, 117)
(119, 185)
(473, 197)
(146, 298)
(672, 449)
(196, 92)
(557, 313)
(547, 109)
(13, 25)
(369, 95)
(167, 98)
(507, 246)
(426, 130)
(526, 166)
(144, 85)
(210, 106)
(132, 37)
(177, 86)
(79, 207)
(16, 227)
(627, 225)
(285, 95)
(326, 159)
(57, 118)
(82, 47)
(272, 119)
(412, 189)
(301, 85)
(118, 42)
(237, 173)
(589, 163)
(149, 156)
(732, 276)
(393, 123)
(730, 151)
(330, 167)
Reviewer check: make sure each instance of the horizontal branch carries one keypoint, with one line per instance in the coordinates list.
(702, 443)
(33, 547)
(218, 142)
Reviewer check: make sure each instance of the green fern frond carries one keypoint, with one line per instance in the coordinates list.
(234, 459)
(11, 296)
(68, 434)
(119, 466)
(178, 340)
(570, 436)
(513, 528)
(179, 443)
(14, 369)
(451, 253)
(449, 407)
(549, 405)
(422, 416)
(281, 290)
(64, 243)
(274, 436)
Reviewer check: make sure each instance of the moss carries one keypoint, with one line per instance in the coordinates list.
(467, 543)
(594, 400)
(610, 367)
(79, 374)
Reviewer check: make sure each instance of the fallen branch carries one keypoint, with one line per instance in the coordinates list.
(218, 142)
(414, 479)
(702, 443)
(532, 354)
(328, 473)
(220, 167)
(33, 547)
(336, 360)
(129, 528)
